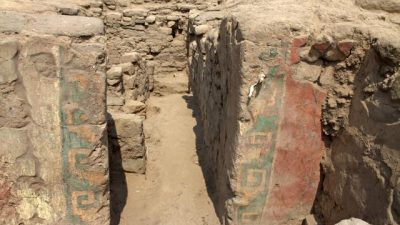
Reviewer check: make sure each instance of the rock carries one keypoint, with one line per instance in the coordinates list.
(387, 5)
(133, 106)
(50, 24)
(115, 72)
(343, 91)
(332, 103)
(8, 49)
(333, 55)
(115, 101)
(122, 3)
(96, 10)
(8, 71)
(201, 29)
(126, 67)
(352, 221)
(126, 133)
(141, 12)
(310, 55)
(113, 82)
(131, 57)
(185, 7)
(109, 2)
(69, 10)
(113, 17)
(151, 19)
(112, 7)
(13, 111)
(26, 166)
(309, 220)
(327, 77)
(127, 19)
(171, 23)
(346, 46)
(126, 125)
(300, 41)
(310, 72)
(322, 43)
(134, 165)
(94, 4)
(173, 18)
(165, 30)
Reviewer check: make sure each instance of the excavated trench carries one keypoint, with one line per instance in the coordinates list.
(292, 115)
(322, 118)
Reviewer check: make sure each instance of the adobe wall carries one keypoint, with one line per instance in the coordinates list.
(328, 99)
(53, 139)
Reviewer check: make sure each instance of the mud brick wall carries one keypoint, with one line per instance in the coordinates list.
(53, 139)
(328, 99)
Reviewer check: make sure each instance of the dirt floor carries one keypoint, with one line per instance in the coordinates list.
(173, 191)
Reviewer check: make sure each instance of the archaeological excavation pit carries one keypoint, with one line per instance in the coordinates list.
(195, 112)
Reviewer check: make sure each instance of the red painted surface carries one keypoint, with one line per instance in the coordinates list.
(346, 46)
(4, 194)
(295, 173)
(321, 47)
(294, 55)
(299, 41)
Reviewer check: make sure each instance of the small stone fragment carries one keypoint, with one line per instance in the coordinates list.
(122, 3)
(173, 18)
(309, 220)
(201, 29)
(113, 17)
(8, 49)
(8, 72)
(333, 54)
(138, 12)
(72, 10)
(113, 82)
(151, 19)
(310, 55)
(300, 41)
(131, 57)
(352, 221)
(26, 167)
(115, 101)
(115, 72)
(327, 77)
(171, 23)
(344, 92)
(165, 30)
(133, 106)
(134, 165)
(332, 103)
(346, 46)
(322, 43)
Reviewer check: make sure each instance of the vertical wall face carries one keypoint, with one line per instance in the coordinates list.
(263, 163)
(324, 90)
(216, 85)
(53, 149)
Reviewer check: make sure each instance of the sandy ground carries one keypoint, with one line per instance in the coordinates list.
(173, 192)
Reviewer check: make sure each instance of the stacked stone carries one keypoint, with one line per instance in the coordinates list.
(53, 146)
(146, 48)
